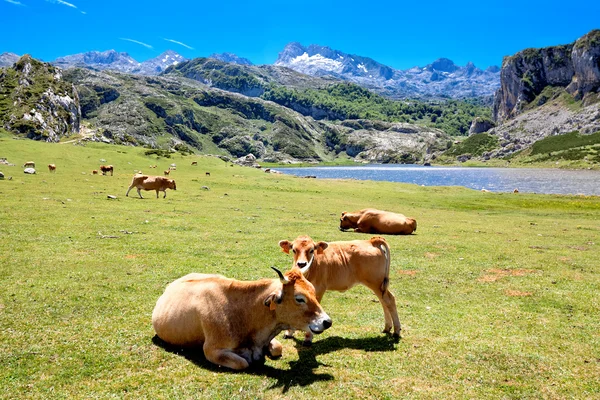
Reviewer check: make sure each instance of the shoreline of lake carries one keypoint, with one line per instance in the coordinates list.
(493, 179)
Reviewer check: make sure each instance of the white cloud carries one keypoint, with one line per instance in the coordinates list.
(64, 3)
(179, 43)
(137, 42)
(16, 3)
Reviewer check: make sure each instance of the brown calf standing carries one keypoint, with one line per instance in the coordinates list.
(51, 167)
(342, 265)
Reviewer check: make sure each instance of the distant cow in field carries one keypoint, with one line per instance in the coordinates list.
(235, 322)
(208, 174)
(370, 220)
(51, 167)
(194, 162)
(342, 265)
(106, 168)
(29, 164)
(167, 172)
(95, 172)
(146, 182)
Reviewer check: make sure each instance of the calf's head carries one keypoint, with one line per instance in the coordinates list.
(303, 249)
(171, 184)
(295, 304)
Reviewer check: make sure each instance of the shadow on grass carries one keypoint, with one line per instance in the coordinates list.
(301, 372)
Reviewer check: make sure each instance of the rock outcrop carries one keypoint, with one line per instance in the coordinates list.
(525, 75)
(38, 102)
(480, 125)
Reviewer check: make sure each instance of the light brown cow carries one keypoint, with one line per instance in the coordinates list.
(167, 172)
(147, 182)
(106, 168)
(341, 265)
(95, 172)
(29, 164)
(51, 167)
(370, 220)
(234, 321)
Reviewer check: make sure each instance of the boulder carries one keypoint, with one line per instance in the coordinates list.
(29, 170)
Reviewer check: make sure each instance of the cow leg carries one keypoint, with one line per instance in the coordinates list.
(157, 193)
(165, 192)
(127, 194)
(275, 348)
(139, 193)
(224, 357)
(388, 301)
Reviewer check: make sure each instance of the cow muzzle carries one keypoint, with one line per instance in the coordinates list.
(320, 324)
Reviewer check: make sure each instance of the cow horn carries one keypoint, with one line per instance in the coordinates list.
(282, 278)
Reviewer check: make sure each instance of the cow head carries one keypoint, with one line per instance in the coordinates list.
(303, 250)
(296, 305)
(171, 184)
(348, 220)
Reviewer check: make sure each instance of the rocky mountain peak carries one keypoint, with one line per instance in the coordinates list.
(231, 58)
(443, 65)
(8, 59)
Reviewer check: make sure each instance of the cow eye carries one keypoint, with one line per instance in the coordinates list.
(312, 251)
(300, 299)
(293, 251)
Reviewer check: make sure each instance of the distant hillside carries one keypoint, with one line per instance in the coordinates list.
(440, 79)
(546, 93)
(122, 62)
(8, 59)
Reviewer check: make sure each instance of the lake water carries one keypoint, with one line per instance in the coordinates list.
(529, 180)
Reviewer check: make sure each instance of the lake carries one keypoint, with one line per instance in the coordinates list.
(529, 180)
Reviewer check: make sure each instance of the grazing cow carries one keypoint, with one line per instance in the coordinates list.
(208, 174)
(194, 162)
(29, 164)
(106, 168)
(370, 220)
(341, 265)
(234, 321)
(95, 172)
(167, 172)
(51, 167)
(516, 190)
(146, 182)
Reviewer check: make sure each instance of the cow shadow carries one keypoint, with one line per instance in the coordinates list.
(301, 372)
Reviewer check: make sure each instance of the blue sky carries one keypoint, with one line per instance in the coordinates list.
(401, 34)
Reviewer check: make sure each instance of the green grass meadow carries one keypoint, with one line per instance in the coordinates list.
(498, 294)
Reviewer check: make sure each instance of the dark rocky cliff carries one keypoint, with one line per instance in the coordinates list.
(524, 76)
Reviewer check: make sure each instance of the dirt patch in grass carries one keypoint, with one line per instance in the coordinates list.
(133, 256)
(431, 255)
(495, 274)
(410, 272)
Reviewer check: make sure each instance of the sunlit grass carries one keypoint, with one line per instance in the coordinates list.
(497, 293)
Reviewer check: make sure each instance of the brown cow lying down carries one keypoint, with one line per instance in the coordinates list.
(147, 182)
(370, 220)
(341, 265)
(234, 321)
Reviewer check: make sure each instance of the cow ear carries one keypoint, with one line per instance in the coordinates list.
(321, 246)
(285, 246)
(272, 300)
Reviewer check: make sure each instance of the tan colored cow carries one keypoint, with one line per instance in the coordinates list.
(147, 182)
(51, 167)
(29, 164)
(107, 168)
(234, 321)
(341, 265)
(370, 220)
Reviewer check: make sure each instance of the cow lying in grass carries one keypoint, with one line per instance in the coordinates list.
(341, 265)
(147, 182)
(236, 322)
(370, 220)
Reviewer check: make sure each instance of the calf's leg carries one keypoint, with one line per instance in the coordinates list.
(224, 357)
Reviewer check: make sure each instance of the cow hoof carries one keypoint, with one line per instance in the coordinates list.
(307, 343)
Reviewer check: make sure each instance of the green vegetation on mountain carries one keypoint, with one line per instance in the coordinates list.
(350, 101)
(571, 146)
(473, 146)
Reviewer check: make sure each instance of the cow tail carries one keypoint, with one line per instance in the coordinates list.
(385, 249)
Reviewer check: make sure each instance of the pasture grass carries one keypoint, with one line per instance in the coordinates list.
(498, 294)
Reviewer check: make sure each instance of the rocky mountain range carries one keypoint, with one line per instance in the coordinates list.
(8, 59)
(442, 78)
(231, 58)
